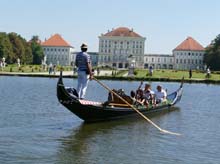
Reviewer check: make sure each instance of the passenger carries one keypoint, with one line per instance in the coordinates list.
(148, 95)
(160, 95)
(132, 94)
(140, 96)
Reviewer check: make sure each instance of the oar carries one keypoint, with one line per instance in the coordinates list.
(135, 109)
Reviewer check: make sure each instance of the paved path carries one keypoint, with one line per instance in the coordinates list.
(65, 73)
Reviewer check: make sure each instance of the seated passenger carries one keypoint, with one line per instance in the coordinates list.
(140, 96)
(132, 94)
(148, 95)
(160, 95)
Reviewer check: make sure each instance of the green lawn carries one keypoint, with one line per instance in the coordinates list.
(30, 68)
(174, 74)
(140, 73)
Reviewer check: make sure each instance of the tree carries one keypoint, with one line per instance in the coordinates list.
(37, 50)
(212, 54)
(6, 49)
(19, 45)
(28, 58)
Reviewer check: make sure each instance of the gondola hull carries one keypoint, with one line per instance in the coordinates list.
(100, 112)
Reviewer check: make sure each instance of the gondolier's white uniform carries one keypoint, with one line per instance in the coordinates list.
(82, 60)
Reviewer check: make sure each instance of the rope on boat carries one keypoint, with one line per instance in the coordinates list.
(135, 109)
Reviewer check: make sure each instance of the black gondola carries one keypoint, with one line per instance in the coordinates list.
(91, 111)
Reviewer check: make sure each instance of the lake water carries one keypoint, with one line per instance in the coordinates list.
(35, 128)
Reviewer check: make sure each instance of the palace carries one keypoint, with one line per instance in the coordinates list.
(120, 46)
(116, 46)
(57, 51)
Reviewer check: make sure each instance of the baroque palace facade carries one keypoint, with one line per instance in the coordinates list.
(117, 46)
(120, 46)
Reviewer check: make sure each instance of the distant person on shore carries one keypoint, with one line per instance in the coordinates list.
(151, 70)
(190, 73)
(1, 65)
(50, 68)
(98, 71)
(208, 72)
(54, 69)
(84, 66)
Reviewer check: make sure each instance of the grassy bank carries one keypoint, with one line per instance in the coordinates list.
(140, 74)
(174, 74)
(30, 68)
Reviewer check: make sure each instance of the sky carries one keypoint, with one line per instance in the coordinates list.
(164, 23)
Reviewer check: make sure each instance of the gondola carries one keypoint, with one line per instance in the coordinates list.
(91, 111)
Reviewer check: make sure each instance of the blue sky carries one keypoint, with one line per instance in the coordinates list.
(164, 23)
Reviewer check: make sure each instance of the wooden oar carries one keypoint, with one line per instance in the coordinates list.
(135, 109)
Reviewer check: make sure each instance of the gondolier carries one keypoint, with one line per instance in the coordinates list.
(84, 66)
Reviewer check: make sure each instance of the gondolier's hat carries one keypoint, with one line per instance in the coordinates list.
(84, 45)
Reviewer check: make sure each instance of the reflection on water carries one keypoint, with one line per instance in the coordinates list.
(97, 142)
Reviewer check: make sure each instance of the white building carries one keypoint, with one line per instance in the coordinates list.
(159, 61)
(58, 51)
(117, 45)
(189, 55)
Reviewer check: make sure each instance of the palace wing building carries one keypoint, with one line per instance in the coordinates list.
(189, 55)
(57, 51)
(118, 45)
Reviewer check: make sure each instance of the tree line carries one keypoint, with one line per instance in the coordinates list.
(212, 54)
(13, 46)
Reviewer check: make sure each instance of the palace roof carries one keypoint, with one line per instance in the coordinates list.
(122, 31)
(189, 44)
(56, 40)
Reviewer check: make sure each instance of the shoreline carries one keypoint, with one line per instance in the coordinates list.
(103, 77)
